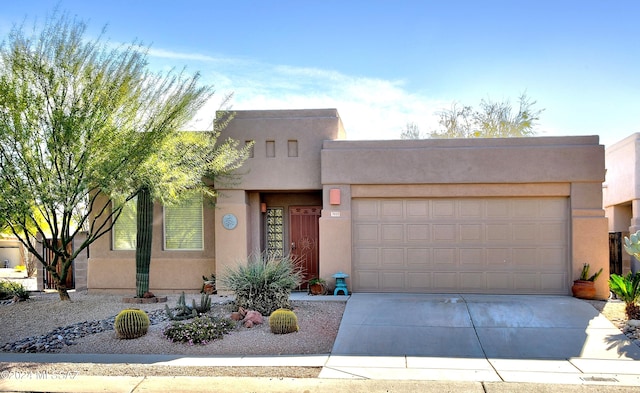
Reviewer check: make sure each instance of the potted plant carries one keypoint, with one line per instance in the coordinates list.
(209, 285)
(317, 286)
(584, 287)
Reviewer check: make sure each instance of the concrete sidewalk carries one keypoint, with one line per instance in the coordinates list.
(86, 384)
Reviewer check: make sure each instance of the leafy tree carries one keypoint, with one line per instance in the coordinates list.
(492, 120)
(180, 168)
(77, 119)
(411, 131)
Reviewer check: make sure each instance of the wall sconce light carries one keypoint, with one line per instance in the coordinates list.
(263, 207)
(334, 196)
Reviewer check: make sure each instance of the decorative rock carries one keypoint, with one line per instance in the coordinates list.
(254, 317)
(62, 336)
(633, 322)
(148, 295)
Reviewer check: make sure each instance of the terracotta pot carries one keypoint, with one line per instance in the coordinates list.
(583, 289)
(209, 288)
(316, 289)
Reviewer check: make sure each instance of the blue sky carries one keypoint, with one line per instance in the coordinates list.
(385, 63)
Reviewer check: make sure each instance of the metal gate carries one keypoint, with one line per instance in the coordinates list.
(615, 253)
(47, 278)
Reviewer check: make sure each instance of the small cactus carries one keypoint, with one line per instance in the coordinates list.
(204, 306)
(181, 311)
(283, 321)
(131, 323)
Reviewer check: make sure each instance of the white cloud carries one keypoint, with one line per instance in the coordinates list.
(166, 54)
(370, 108)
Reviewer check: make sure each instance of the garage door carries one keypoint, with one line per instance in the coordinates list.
(466, 245)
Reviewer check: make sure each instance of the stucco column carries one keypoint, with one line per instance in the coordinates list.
(335, 235)
(589, 234)
(232, 240)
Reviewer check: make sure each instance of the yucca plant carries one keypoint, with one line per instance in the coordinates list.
(627, 289)
(263, 283)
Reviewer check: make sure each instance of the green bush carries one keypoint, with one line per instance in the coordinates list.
(199, 330)
(9, 289)
(263, 283)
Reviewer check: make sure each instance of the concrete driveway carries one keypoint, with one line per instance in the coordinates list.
(478, 326)
(490, 335)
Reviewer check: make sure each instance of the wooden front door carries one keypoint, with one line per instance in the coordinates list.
(303, 235)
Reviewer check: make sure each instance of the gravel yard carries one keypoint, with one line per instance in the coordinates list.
(318, 320)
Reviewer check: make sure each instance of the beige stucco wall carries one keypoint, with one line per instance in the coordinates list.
(232, 245)
(309, 128)
(114, 271)
(548, 166)
(621, 185)
(450, 161)
(621, 191)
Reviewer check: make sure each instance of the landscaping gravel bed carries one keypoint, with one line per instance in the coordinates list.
(85, 325)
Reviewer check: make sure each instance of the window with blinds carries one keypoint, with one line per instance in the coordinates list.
(183, 225)
(124, 230)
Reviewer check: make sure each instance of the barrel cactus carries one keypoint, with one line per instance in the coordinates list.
(283, 321)
(131, 323)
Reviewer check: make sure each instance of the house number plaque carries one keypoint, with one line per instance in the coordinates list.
(229, 221)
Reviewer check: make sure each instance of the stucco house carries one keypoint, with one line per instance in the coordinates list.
(497, 216)
(621, 192)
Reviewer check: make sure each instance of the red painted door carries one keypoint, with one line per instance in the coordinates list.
(303, 234)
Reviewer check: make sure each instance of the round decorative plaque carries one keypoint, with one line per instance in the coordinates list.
(229, 221)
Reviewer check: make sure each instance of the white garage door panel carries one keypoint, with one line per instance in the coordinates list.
(473, 245)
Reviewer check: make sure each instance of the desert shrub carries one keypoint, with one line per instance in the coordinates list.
(627, 289)
(9, 289)
(199, 330)
(263, 283)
